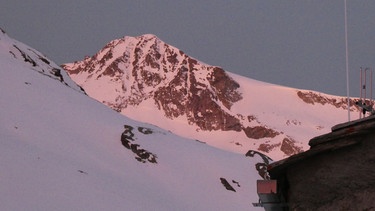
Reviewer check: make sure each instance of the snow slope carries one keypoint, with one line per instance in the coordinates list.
(148, 80)
(61, 150)
(273, 106)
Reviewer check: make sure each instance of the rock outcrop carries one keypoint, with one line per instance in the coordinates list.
(134, 73)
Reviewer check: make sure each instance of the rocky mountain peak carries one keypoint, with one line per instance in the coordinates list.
(144, 77)
(145, 67)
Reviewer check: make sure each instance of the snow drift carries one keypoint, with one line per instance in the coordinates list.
(61, 150)
(148, 80)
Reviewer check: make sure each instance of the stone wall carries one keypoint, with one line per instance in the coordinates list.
(337, 179)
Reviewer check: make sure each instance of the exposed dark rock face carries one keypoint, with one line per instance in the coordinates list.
(236, 183)
(289, 148)
(252, 153)
(266, 147)
(312, 98)
(227, 185)
(26, 57)
(128, 141)
(35, 60)
(82, 172)
(179, 85)
(145, 130)
(145, 69)
(260, 167)
(224, 86)
(258, 132)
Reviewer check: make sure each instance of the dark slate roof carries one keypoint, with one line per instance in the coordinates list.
(342, 135)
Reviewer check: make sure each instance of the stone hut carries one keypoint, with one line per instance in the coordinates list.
(336, 173)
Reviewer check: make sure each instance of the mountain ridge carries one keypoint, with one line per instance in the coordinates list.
(144, 75)
(62, 150)
(26, 55)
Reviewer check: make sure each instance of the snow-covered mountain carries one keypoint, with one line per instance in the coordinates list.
(150, 81)
(32, 59)
(61, 150)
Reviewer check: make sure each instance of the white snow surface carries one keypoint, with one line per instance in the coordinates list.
(61, 150)
(273, 106)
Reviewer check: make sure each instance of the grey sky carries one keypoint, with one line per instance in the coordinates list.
(296, 43)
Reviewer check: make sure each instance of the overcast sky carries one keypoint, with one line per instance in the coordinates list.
(295, 43)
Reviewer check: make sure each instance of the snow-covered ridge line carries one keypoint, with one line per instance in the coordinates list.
(61, 150)
(37, 61)
(148, 80)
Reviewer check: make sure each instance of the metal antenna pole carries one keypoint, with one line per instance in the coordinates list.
(347, 62)
(360, 83)
(371, 87)
(360, 90)
(365, 86)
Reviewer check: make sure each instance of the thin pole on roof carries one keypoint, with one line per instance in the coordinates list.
(371, 87)
(360, 90)
(346, 58)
